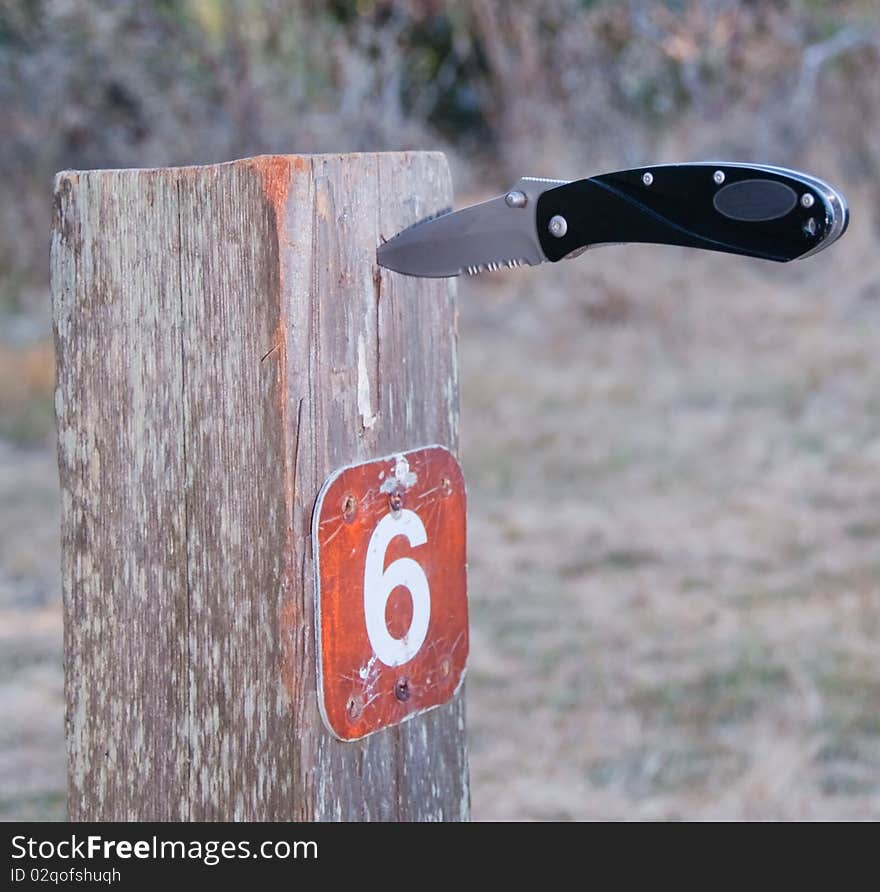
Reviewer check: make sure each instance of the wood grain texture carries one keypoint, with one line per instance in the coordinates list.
(225, 341)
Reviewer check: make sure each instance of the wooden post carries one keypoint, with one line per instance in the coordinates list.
(224, 341)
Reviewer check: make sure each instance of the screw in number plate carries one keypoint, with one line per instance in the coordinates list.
(395, 501)
(647, 178)
(354, 707)
(349, 507)
(516, 199)
(401, 689)
(807, 200)
(558, 226)
(718, 177)
(446, 486)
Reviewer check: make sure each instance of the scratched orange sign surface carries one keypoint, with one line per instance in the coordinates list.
(391, 590)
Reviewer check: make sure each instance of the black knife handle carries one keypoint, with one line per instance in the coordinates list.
(758, 211)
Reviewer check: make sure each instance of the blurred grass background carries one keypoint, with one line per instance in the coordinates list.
(673, 458)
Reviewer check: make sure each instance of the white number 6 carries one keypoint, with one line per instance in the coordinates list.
(379, 583)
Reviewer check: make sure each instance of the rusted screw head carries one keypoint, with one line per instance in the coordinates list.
(396, 501)
(354, 707)
(446, 486)
(349, 507)
(401, 689)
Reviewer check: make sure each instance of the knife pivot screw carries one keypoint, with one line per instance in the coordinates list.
(558, 226)
(516, 199)
(718, 177)
(807, 200)
(647, 178)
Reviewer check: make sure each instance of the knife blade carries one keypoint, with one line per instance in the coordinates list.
(753, 210)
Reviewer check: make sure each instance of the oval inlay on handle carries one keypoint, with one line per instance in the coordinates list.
(752, 201)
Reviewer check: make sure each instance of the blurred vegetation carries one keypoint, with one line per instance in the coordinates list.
(553, 87)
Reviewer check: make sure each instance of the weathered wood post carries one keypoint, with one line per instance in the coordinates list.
(224, 341)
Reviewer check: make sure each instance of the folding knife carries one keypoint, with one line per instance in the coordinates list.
(755, 210)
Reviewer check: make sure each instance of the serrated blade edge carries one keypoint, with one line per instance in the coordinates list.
(486, 236)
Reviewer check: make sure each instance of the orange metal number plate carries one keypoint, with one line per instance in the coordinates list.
(391, 590)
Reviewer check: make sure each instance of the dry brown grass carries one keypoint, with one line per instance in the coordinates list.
(27, 377)
(674, 477)
(32, 763)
